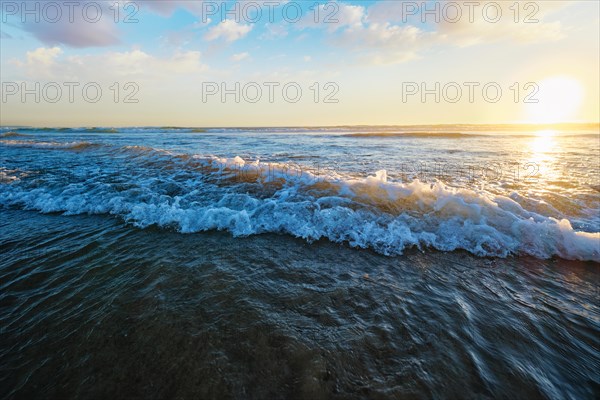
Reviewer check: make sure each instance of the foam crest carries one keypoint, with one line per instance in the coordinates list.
(372, 212)
(49, 145)
(12, 134)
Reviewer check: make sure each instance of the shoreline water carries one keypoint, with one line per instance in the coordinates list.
(151, 313)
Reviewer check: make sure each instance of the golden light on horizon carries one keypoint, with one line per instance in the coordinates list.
(559, 99)
(542, 152)
(547, 133)
(543, 144)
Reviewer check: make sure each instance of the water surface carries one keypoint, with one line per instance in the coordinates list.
(288, 263)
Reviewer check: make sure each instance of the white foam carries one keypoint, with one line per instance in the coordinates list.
(388, 217)
(48, 145)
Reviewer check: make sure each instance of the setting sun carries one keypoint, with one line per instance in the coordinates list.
(559, 99)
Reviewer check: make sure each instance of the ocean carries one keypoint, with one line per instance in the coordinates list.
(443, 261)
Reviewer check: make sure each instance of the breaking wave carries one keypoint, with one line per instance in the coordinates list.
(12, 134)
(49, 145)
(196, 193)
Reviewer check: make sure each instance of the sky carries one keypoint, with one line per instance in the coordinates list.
(298, 63)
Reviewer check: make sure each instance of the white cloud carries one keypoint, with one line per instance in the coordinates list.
(43, 56)
(39, 63)
(385, 43)
(48, 63)
(372, 42)
(228, 30)
(461, 25)
(466, 32)
(139, 63)
(333, 16)
(386, 33)
(239, 56)
(389, 12)
(274, 31)
(347, 15)
(166, 8)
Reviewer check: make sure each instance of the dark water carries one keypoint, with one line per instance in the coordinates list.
(92, 308)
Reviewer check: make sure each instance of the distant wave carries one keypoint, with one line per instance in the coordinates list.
(49, 145)
(12, 134)
(101, 130)
(387, 217)
(458, 135)
(450, 135)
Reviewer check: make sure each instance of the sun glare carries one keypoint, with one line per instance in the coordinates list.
(547, 133)
(542, 148)
(558, 98)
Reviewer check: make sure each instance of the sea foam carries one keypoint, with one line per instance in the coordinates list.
(250, 198)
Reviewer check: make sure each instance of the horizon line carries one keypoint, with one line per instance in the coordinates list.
(532, 124)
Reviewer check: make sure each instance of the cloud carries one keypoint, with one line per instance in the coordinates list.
(333, 16)
(138, 63)
(387, 32)
(463, 35)
(168, 7)
(74, 28)
(462, 26)
(48, 63)
(78, 29)
(384, 43)
(468, 32)
(239, 57)
(274, 31)
(372, 42)
(228, 30)
(390, 12)
(39, 63)
(43, 56)
(77, 35)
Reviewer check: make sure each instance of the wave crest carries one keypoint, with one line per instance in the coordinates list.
(373, 213)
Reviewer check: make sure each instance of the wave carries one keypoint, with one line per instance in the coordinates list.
(449, 135)
(50, 145)
(13, 134)
(458, 135)
(193, 193)
(101, 130)
(8, 175)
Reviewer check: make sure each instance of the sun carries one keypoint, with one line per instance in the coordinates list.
(559, 99)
